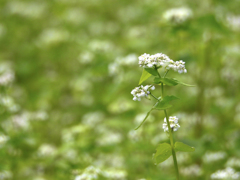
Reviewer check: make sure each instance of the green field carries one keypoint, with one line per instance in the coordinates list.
(67, 69)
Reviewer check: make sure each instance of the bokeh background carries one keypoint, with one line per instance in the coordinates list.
(67, 68)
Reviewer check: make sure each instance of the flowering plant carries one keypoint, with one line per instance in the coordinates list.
(152, 64)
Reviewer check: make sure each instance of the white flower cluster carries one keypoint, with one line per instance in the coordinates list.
(173, 120)
(92, 173)
(177, 15)
(3, 139)
(159, 60)
(141, 91)
(6, 74)
(46, 150)
(210, 157)
(89, 173)
(233, 22)
(227, 173)
(178, 66)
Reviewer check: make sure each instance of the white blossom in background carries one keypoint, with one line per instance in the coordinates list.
(27, 9)
(233, 162)
(134, 135)
(21, 120)
(130, 59)
(9, 103)
(173, 120)
(3, 139)
(46, 150)
(39, 115)
(214, 156)
(86, 57)
(39, 178)
(100, 45)
(93, 118)
(161, 60)
(74, 15)
(177, 15)
(115, 174)
(71, 154)
(234, 22)
(52, 36)
(141, 91)
(193, 170)
(6, 74)
(90, 173)
(109, 138)
(227, 174)
(114, 68)
(5, 175)
(114, 160)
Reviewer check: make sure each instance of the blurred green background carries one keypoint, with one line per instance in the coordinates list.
(67, 68)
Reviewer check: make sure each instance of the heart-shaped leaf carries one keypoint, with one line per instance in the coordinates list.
(164, 151)
(144, 77)
(152, 71)
(165, 102)
(179, 146)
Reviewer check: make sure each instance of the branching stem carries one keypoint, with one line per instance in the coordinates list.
(170, 134)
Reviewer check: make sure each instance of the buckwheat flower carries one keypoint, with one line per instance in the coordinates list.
(210, 157)
(173, 120)
(178, 66)
(3, 139)
(141, 91)
(227, 173)
(90, 173)
(161, 60)
(233, 22)
(177, 15)
(151, 61)
(117, 174)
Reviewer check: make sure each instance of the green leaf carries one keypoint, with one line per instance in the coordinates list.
(146, 116)
(152, 71)
(162, 106)
(179, 82)
(168, 99)
(179, 146)
(167, 81)
(144, 77)
(164, 151)
(144, 119)
(164, 103)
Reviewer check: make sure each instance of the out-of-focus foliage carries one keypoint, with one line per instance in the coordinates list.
(67, 68)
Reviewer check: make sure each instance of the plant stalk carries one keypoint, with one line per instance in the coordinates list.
(171, 139)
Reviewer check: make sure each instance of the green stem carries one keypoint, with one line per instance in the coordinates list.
(154, 96)
(157, 71)
(165, 74)
(171, 140)
(172, 144)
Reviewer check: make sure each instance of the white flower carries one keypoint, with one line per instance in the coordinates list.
(90, 173)
(177, 15)
(173, 120)
(141, 91)
(158, 60)
(150, 61)
(227, 173)
(178, 66)
(233, 22)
